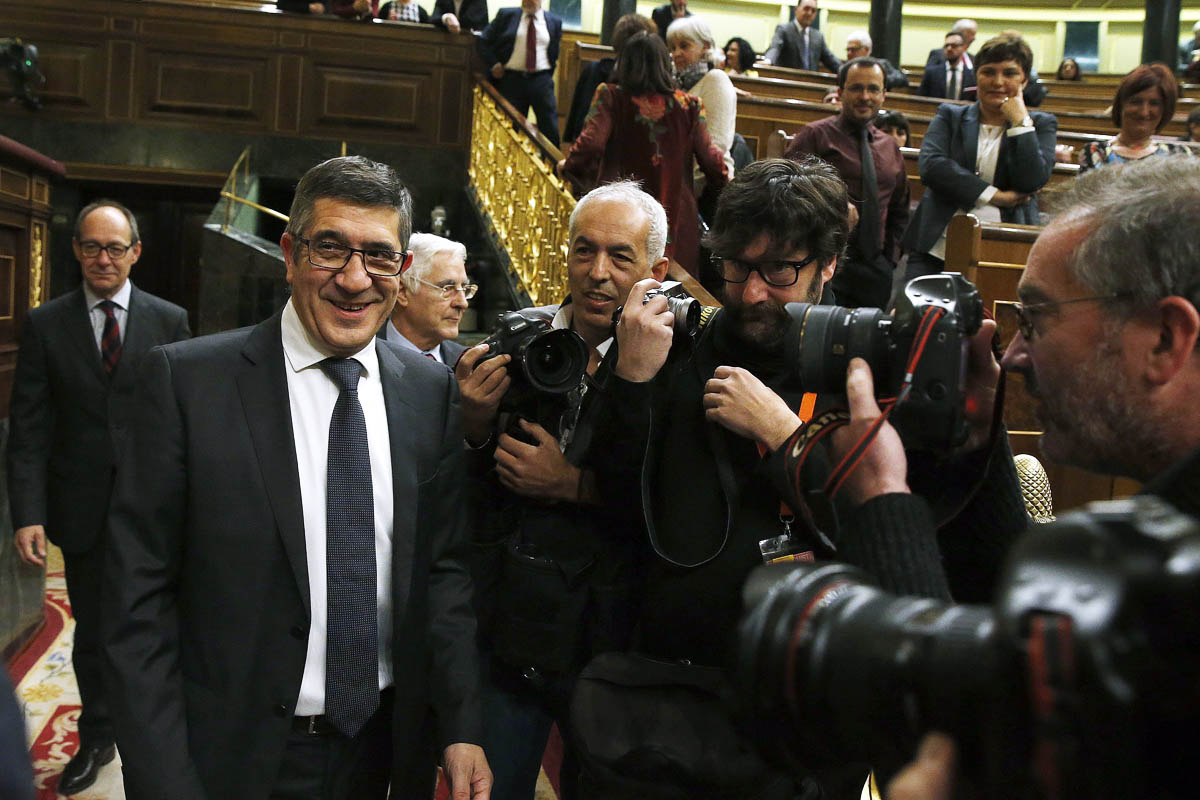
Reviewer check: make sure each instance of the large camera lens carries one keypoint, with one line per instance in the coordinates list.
(833, 668)
(554, 361)
(823, 339)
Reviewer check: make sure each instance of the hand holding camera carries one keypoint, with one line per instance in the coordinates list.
(482, 382)
(644, 333)
(535, 470)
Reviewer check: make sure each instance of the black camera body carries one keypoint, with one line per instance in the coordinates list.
(20, 61)
(822, 340)
(684, 307)
(1081, 680)
(547, 364)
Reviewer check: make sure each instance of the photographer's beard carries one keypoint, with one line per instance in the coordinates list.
(762, 327)
(1094, 417)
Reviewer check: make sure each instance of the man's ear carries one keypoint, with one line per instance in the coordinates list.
(659, 270)
(402, 295)
(827, 270)
(136, 250)
(1178, 329)
(287, 244)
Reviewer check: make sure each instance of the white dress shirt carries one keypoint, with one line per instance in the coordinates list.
(394, 335)
(97, 316)
(312, 395)
(517, 60)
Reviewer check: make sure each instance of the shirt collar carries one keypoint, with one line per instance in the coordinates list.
(394, 335)
(302, 354)
(562, 319)
(120, 299)
(852, 129)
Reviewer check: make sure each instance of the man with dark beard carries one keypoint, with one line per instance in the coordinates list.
(704, 428)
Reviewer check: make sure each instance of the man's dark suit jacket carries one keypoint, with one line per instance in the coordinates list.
(451, 349)
(787, 49)
(69, 417)
(947, 167)
(933, 84)
(497, 40)
(663, 16)
(207, 598)
(472, 16)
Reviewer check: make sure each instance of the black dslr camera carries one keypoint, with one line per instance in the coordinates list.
(1081, 680)
(547, 365)
(20, 61)
(822, 340)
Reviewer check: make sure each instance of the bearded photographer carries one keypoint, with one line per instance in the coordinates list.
(1109, 347)
(702, 429)
(553, 566)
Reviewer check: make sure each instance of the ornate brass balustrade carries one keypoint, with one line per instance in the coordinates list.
(525, 203)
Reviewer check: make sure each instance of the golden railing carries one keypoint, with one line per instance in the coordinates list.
(527, 206)
(229, 191)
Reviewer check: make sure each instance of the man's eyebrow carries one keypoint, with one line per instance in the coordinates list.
(1032, 294)
(330, 233)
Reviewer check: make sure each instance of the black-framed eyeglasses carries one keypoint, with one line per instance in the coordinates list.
(773, 273)
(1027, 312)
(468, 289)
(115, 251)
(334, 256)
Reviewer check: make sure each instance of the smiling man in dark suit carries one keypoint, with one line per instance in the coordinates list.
(71, 402)
(287, 597)
(520, 47)
(799, 45)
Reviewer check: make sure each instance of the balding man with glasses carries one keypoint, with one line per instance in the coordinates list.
(432, 297)
(72, 397)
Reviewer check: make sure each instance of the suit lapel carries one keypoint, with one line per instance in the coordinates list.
(264, 392)
(137, 333)
(402, 421)
(970, 132)
(78, 328)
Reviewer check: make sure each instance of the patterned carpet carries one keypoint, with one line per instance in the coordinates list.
(46, 690)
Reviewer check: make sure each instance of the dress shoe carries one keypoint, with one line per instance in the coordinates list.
(82, 770)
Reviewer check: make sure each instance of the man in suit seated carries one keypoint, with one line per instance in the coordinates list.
(432, 297)
(798, 45)
(969, 28)
(520, 48)
(950, 77)
(72, 398)
(287, 598)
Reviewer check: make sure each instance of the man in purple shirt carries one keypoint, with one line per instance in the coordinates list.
(877, 185)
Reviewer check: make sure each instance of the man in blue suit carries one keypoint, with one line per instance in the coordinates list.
(952, 76)
(520, 47)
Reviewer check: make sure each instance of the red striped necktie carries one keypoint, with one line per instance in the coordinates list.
(110, 339)
(530, 46)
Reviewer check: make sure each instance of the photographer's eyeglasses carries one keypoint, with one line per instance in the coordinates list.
(468, 289)
(115, 251)
(1027, 312)
(334, 257)
(773, 273)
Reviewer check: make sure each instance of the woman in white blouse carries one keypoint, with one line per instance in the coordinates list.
(694, 53)
(988, 159)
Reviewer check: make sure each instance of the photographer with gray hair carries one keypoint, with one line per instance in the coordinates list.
(555, 559)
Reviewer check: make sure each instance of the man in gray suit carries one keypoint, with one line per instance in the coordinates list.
(71, 402)
(432, 298)
(798, 45)
(287, 599)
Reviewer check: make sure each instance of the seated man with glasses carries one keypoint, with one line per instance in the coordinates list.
(433, 296)
(704, 428)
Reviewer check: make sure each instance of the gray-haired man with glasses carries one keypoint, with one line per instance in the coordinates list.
(72, 401)
(431, 300)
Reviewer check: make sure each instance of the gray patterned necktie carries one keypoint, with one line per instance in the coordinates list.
(351, 635)
(868, 213)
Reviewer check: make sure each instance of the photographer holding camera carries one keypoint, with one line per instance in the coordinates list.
(1109, 346)
(702, 430)
(553, 566)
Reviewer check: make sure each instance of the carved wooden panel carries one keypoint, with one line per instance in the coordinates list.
(74, 73)
(207, 86)
(120, 80)
(14, 184)
(365, 97)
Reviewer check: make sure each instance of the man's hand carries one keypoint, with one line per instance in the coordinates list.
(983, 378)
(316, 8)
(481, 387)
(540, 471)
(883, 469)
(31, 544)
(1008, 198)
(740, 402)
(644, 334)
(497, 71)
(930, 776)
(362, 6)
(451, 23)
(467, 772)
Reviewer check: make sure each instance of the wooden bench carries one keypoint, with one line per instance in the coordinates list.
(993, 256)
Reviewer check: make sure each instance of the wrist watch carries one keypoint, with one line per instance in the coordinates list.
(1027, 122)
